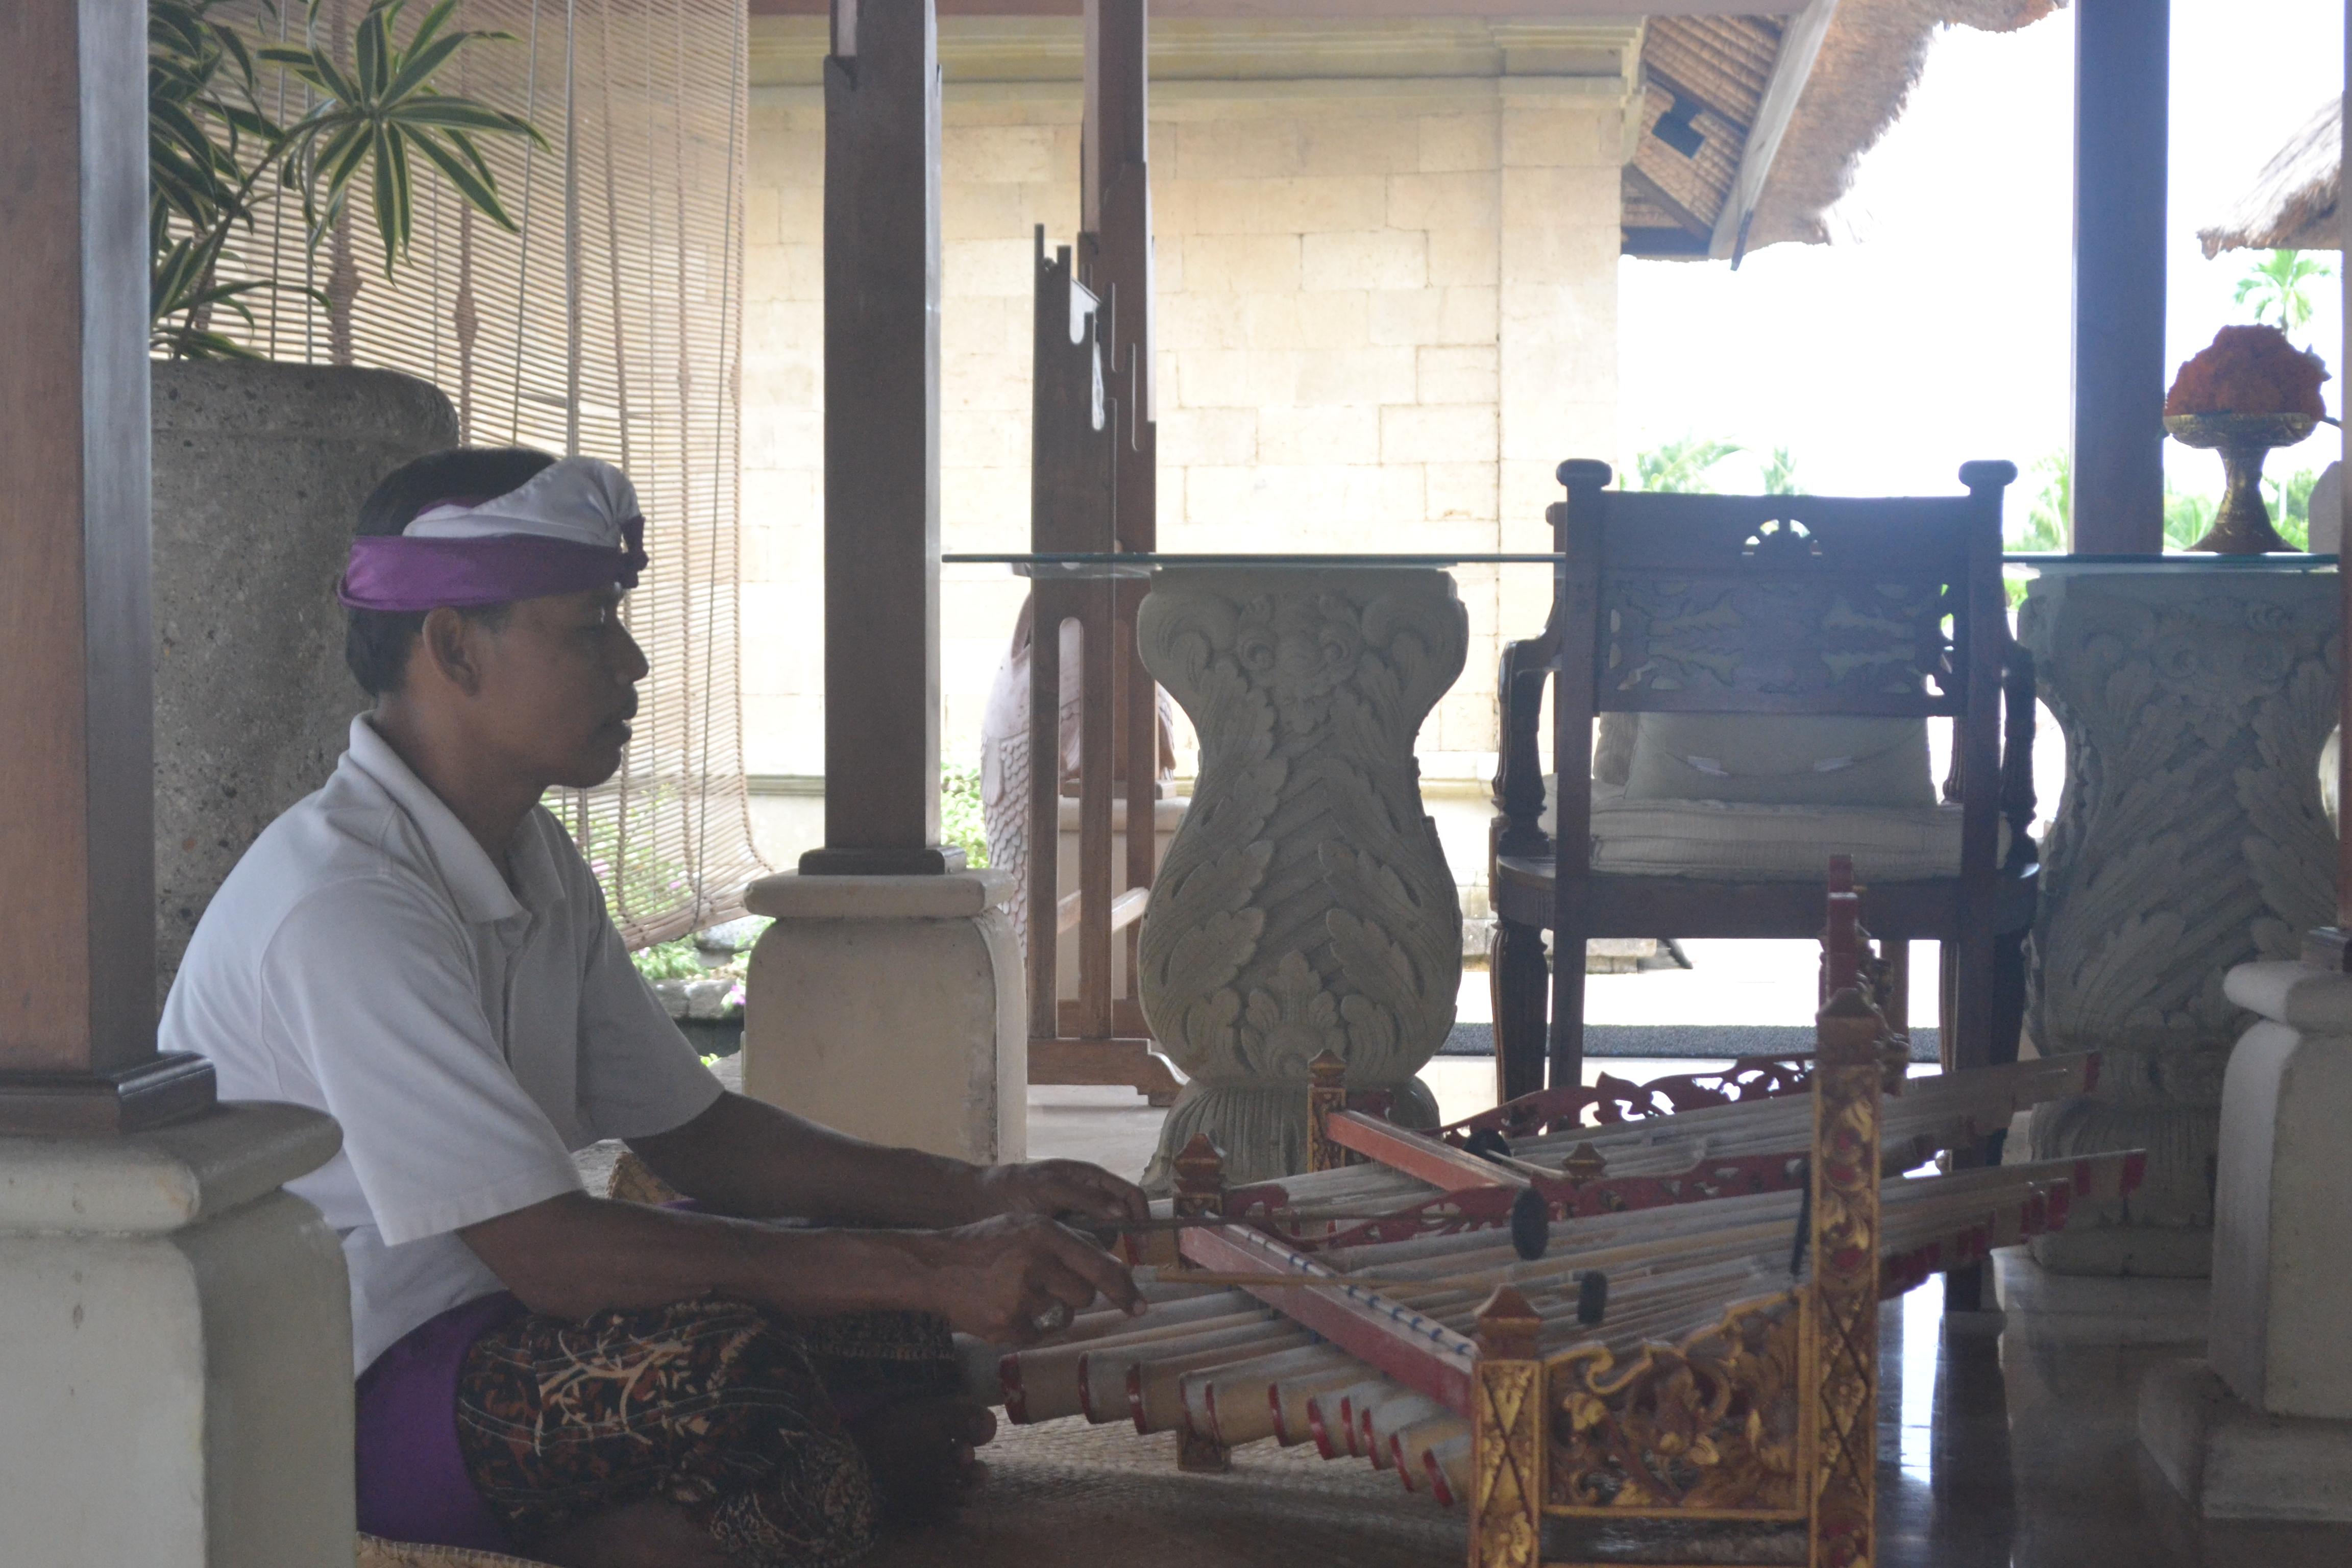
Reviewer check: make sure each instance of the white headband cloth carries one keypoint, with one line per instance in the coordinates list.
(574, 526)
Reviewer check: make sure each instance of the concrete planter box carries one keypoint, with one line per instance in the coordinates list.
(260, 470)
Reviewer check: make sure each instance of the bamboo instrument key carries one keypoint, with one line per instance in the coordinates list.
(1288, 1281)
(1530, 1224)
(1592, 1285)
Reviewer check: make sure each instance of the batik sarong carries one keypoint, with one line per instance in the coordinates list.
(734, 1413)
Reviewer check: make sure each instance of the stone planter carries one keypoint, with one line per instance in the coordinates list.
(1304, 904)
(259, 471)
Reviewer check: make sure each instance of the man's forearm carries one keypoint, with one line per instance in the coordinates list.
(574, 1255)
(745, 1157)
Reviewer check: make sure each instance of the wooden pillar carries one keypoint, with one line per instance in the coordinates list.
(2122, 82)
(1115, 218)
(882, 444)
(77, 769)
(1115, 223)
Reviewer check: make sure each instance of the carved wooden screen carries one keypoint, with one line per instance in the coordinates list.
(611, 325)
(1782, 605)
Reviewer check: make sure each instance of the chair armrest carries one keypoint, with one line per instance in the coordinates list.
(1518, 769)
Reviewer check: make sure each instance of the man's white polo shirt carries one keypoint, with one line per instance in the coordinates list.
(366, 957)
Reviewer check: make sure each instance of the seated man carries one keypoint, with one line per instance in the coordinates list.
(420, 949)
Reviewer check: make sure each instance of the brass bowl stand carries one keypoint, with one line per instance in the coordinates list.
(2242, 524)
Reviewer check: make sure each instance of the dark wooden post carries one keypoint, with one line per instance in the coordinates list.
(882, 444)
(77, 706)
(2122, 82)
(1115, 223)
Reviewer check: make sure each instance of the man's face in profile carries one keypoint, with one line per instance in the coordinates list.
(558, 686)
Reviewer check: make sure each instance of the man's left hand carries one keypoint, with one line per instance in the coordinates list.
(1058, 1188)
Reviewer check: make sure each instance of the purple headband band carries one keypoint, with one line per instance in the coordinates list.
(394, 572)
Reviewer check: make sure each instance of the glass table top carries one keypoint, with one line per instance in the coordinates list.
(2053, 563)
(1078, 565)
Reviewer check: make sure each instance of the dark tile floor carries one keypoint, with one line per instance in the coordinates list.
(2022, 1450)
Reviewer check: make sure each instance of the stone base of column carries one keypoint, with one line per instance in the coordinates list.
(892, 1008)
(1261, 1128)
(2141, 1251)
(178, 1352)
(2233, 1462)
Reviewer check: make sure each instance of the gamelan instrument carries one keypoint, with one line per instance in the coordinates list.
(1689, 1361)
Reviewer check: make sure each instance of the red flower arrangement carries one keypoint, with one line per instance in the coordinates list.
(2249, 370)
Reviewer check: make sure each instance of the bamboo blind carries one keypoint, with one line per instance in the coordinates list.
(611, 325)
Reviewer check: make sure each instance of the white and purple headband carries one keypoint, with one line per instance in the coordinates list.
(575, 526)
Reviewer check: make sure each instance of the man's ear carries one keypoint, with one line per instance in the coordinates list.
(447, 642)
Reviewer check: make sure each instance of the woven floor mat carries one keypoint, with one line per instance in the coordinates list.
(1070, 1495)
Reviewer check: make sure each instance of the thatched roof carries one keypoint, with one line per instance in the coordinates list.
(2293, 204)
(1869, 58)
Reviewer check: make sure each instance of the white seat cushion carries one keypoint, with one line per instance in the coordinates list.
(1721, 842)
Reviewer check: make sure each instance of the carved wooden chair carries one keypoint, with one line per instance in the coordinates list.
(1763, 605)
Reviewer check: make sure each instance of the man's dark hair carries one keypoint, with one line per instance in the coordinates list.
(376, 642)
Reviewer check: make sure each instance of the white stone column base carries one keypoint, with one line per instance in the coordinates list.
(2282, 1221)
(178, 1349)
(2233, 1462)
(892, 1008)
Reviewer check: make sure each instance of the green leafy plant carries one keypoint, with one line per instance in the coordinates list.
(961, 821)
(2186, 517)
(2290, 503)
(673, 960)
(1681, 466)
(1780, 473)
(2043, 524)
(215, 157)
(2277, 284)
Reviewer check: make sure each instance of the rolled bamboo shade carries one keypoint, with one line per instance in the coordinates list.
(611, 325)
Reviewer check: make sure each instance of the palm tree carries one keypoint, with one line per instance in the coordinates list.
(2278, 283)
(1780, 473)
(1681, 466)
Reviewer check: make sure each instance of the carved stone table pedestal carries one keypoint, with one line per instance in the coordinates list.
(2191, 838)
(1304, 904)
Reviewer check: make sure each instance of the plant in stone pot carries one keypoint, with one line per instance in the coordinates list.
(259, 467)
(216, 154)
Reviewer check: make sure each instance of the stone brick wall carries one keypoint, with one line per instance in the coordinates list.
(1386, 308)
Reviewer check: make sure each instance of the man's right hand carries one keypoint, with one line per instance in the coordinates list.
(1009, 1278)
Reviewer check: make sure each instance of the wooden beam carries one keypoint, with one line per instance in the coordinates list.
(1340, 10)
(2122, 79)
(1792, 67)
(77, 772)
(1658, 196)
(882, 445)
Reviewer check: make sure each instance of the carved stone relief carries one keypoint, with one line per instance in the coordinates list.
(2190, 837)
(1304, 904)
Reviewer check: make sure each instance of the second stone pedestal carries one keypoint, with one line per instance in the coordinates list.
(2262, 1428)
(1304, 905)
(2195, 700)
(892, 1008)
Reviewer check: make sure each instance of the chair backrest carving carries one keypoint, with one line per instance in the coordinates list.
(1777, 604)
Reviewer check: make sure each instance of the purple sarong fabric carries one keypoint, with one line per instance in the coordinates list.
(413, 1482)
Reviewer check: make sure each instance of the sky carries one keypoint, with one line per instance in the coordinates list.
(1934, 328)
